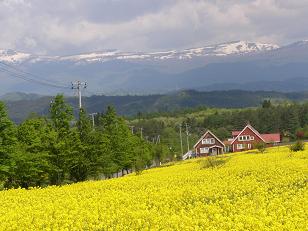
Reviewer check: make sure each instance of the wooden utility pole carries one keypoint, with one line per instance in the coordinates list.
(141, 135)
(181, 140)
(93, 119)
(132, 129)
(187, 138)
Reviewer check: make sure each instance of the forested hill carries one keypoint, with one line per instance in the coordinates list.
(129, 105)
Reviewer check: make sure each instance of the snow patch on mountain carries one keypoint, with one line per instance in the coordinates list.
(224, 49)
(233, 48)
(243, 47)
(12, 56)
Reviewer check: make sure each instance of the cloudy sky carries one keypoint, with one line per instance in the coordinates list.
(73, 26)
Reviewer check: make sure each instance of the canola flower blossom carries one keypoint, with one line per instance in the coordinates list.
(247, 191)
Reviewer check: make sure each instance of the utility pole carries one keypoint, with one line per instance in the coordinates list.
(158, 139)
(78, 85)
(181, 139)
(187, 140)
(93, 117)
(141, 135)
(132, 129)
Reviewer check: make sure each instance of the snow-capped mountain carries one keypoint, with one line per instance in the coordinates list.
(232, 48)
(239, 65)
(224, 49)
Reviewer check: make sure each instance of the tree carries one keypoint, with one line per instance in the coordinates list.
(7, 128)
(8, 141)
(142, 155)
(84, 125)
(290, 119)
(117, 132)
(27, 169)
(261, 146)
(297, 146)
(61, 115)
(266, 103)
(79, 158)
(29, 164)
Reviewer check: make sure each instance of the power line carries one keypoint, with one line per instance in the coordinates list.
(21, 74)
(30, 74)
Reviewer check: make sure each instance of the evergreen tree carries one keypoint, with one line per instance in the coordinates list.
(290, 120)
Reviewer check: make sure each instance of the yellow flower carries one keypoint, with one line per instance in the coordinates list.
(248, 192)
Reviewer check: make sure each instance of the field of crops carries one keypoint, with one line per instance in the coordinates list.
(236, 192)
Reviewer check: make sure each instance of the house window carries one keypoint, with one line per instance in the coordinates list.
(252, 138)
(240, 146)
(249, 146)
(204, 150)
(208, 141)
(245, 138)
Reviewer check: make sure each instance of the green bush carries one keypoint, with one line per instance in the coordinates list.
(260, 146)
(213, 161)
(298, 146)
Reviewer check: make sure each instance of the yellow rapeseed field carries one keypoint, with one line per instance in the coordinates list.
(246, 191)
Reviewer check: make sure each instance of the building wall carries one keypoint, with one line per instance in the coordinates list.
(249, 144)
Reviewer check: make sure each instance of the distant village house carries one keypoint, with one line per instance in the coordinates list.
(209, 145)
(247, 138)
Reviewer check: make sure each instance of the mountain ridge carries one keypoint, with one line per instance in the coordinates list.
(222, 49)
(114, 72)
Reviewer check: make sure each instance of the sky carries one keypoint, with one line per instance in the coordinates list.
(63, 27)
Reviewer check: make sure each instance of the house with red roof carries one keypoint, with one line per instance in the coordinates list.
(247, 138)
(209, 145)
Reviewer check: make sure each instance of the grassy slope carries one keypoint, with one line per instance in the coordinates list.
(247, 191)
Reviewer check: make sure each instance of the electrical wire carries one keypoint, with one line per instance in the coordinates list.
(21, 74)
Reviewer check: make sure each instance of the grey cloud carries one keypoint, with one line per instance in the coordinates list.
(73, 26)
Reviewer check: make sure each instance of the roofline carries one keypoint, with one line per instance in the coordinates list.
(208, 131)
(215, 146)
(252, 129)
(273, 134)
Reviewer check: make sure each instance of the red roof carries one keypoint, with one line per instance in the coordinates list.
(235, 133)
(268, 138)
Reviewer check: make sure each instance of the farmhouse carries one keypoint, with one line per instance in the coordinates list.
(247, 138)
(209, 145)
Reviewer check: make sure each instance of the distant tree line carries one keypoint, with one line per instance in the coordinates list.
(60, 149)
